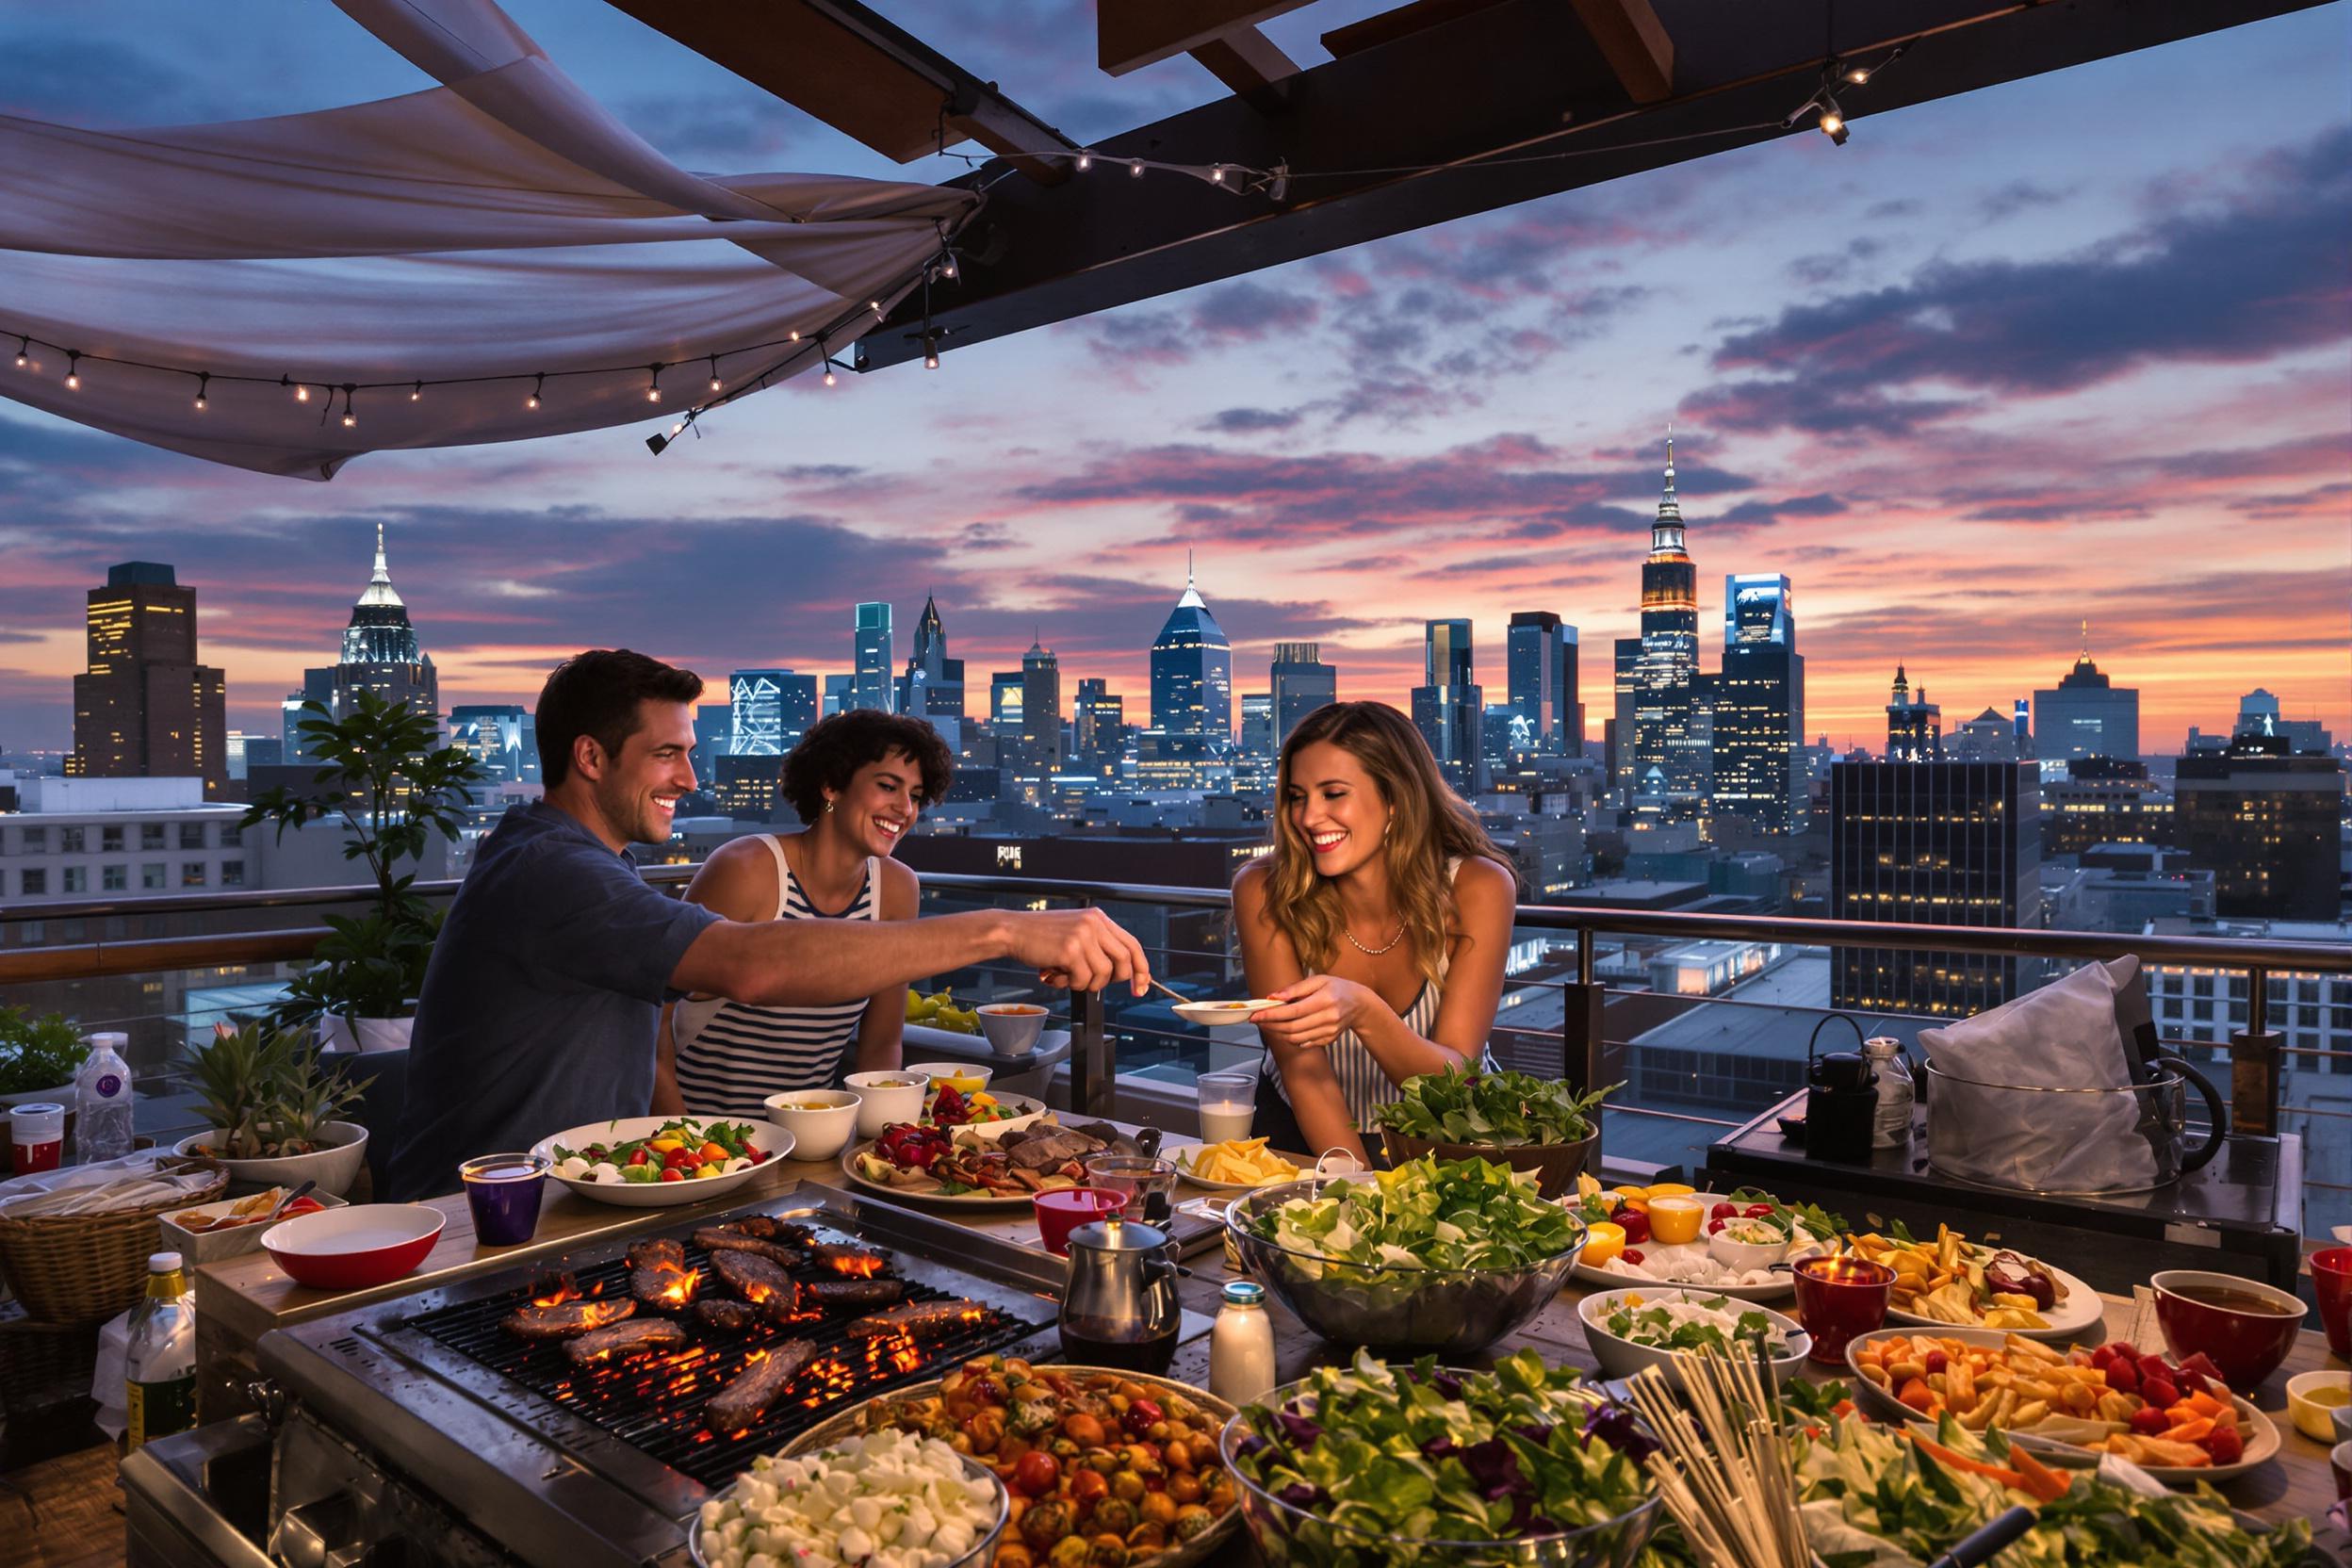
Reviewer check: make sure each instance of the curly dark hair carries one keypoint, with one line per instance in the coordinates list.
(830, 756)
(596, 693)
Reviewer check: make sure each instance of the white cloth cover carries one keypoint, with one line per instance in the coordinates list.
(2065, 1035)
(109, 1186)
(499, 226)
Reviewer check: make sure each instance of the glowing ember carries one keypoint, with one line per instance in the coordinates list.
(860, 1266)
(598, 1314)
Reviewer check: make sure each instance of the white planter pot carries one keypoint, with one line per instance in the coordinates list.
(339, 1032)
(335, 1168)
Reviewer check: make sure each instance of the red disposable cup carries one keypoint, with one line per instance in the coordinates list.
(1839, 1300)
(36, 1137)
(1064, 1209)
(2332, 1282)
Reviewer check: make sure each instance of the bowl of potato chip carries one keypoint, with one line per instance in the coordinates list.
(1237, 1164)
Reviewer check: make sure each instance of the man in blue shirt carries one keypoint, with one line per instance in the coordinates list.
(542, 1003)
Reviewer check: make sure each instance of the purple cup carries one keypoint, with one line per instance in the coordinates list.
(503, 1190)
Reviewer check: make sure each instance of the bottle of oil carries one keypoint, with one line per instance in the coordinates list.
(160, 1360)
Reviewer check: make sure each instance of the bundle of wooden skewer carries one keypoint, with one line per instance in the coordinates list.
(1724, 1472)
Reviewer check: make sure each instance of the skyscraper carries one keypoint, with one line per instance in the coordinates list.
(1040, 708)
(1097, 717)
(1301, 682)
(1257, 724)
(380, 654)
(1192, 674)
(2267, 824)
(1760, 707)
(145, 707)
(2085, 714)
(502, 737)
(1539, 663)
(1915, 726)
(1448, 705)
(1933, 843)
(1006, 691)
(870, 677)
(932, 686)
(768, 711)
(1670, 755)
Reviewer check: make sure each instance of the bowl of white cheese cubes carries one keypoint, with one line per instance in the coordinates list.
(884, 1499)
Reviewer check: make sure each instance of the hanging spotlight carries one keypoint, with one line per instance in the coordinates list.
(653, 388)
(657, 443)
(73, 369)
(538, 384)
(715, 384)
(349, 418)
(204, 381)
(930, 351)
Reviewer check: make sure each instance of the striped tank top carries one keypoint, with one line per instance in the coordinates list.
(731, 1056)
(1363, 1083)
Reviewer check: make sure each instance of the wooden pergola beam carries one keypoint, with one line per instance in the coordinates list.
(1132, 34)
(1403, 21)
(1635, 43)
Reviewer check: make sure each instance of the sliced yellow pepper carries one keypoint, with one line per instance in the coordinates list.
(665, 1145)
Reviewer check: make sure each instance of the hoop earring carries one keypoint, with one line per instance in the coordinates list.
(828, 806)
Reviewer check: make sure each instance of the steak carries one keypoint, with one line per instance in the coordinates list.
(754, 1278)
(662, 1286)
(624, 1339)
(566, 1318)
(721, 1239)
(761, 1227)
(849, 1260)
(854, 1293)
(656, 1250)
(727, 1317)
(1043, 1150)
(915, 1317)
(742, 1402)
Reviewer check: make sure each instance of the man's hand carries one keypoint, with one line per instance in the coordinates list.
(1313, 1012)
(1084, 950)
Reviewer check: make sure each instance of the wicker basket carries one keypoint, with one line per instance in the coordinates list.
(84, 1268)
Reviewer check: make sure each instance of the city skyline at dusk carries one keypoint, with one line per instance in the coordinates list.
(2075, 348)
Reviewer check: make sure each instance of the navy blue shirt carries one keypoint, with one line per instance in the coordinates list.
(541, 1002)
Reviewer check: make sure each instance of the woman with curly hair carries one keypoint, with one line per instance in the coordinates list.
(1380, 921)
(858, 780)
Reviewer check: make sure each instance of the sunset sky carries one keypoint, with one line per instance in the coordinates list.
(2076, 347)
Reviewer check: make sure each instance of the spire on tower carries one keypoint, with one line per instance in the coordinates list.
(380, 589)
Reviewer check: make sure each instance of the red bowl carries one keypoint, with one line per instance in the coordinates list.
(1062, 1210)
(352, 1249)
(2247, 1345)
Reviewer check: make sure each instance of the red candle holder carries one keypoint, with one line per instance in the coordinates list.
(1839, 1300)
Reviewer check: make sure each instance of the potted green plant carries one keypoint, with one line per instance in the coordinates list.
(39, 1056)
(275, 1109)
(1512, 1118)
(383, 772)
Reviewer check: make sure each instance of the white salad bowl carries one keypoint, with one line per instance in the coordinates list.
(655, 1195)
(1621, 1358)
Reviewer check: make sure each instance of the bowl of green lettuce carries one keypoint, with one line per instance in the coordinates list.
(1435, 1256)
(1381, 1466)
(1513, 1118)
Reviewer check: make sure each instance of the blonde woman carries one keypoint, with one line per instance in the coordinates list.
(1381, 921)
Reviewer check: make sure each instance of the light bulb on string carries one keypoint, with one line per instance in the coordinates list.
(350, 420)
(73, 369)
(23, 352)
(416, 393)
(1832, 120)
(795, 335)
(203, 382)
(1085, 161)
(1135, 170)
(538, 383)
(715, 382)
(653, 388)
(302, 392)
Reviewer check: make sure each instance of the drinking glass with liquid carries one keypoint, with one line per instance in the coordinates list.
(1227, 1102)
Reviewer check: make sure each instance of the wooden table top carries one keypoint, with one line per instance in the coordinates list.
(246, 1297)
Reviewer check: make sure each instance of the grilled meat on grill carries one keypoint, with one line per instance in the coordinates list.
(849, 1260)
(915, 1317)
(656, 1251)
(566, 1318)
(753, 1277)
(747, 1399)
(623, 1339)
(854, 1293)
(761, 1227)
(727, 1317)
(720, 1239)
(663, 1287)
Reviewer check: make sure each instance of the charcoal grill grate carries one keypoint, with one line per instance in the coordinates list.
(655, 1403)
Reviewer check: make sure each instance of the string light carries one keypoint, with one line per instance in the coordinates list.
(657, 443)
(416, 393)
(73, 369)
(653, 389)
(349, 418)
(795, 336)
(204, 381)
(1135, 169)
(715, 384)
(24, 349)
(538, 383)
(301, 393)
(1832, 122)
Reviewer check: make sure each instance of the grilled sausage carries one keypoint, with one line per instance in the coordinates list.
(854, 1293)
(752, 1277)
(722, 1240)
(624, 1339)
(915, 1317)
(744, 1401)
(566, 1318)
(727, 1317)
(656, 1251)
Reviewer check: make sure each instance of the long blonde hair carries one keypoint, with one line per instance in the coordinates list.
(1431, 827)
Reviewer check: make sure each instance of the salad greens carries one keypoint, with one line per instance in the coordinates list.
(682, 1144)
(1795, 1216)
(1426, 1214)
(1421, 1454)
(1502, 1110)
(1680, 1321)
(1869, 1492)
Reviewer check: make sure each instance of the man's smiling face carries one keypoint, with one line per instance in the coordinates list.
(638, 792)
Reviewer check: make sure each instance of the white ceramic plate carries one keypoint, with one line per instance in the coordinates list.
(1621, 1358)
(1221, 1012)
(944, 1200)
(658, 1195)
(2261, 1433)
(1656, 1256)
(2068, 1320)
(1031, 1110)
(1184, 1174)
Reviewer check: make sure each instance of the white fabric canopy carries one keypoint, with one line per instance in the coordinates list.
(486, 233)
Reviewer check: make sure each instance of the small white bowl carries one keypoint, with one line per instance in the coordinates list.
(1213, 1013)
(968, 1077)
(884, 1098)
(820, 1121)
(1745, 1255)
(1621, 1358)
(1012, 1027)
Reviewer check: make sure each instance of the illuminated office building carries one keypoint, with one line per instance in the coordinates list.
(1758, 711)
(145, 707)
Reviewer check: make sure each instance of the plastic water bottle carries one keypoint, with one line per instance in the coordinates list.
(102, 1102)
(1890, 1128)
(160, 1359)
